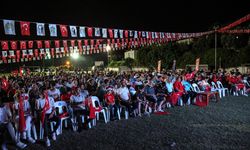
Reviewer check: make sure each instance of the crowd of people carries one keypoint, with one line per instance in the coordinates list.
(29, 101)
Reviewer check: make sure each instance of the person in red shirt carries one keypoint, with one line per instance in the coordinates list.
(180, 90)
(109, 98)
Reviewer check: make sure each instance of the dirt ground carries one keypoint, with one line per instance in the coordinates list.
(222, 125)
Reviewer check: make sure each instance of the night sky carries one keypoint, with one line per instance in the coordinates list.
(153, 15)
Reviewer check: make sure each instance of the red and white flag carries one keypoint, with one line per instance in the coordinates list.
(90, 32)
(39, 44)
(25, 28)
(47, 44)
(57, 43)
(111, 35)
(23, 45)
(30, 44)
(5, 45)
(64, 30)
(13, 45)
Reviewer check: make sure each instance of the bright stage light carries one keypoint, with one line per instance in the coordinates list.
(75, 55)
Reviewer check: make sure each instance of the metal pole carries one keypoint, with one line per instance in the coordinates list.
(215, 49)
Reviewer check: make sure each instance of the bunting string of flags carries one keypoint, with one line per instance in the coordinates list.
(87, 40)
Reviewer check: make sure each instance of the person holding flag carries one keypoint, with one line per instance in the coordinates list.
(23, 115)
(46, 106)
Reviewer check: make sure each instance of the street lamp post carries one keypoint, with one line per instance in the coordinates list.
(215, 48)
(108, 48)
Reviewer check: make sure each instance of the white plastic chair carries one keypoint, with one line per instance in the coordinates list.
(220, 90)
(223, 89)
(95, 100)
(196, 88)
(42, 130)
(125, 111)
(108, 114)
(59, 105)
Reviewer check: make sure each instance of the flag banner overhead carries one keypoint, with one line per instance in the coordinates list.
(53, 30)
(40, 29)
(9, 27)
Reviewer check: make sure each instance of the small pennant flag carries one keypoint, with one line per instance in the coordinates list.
(9, 27)
(57, 44)
(73, 31)
(104, 33)
(23, 45)
(82, 32)
(143, 34)
(40, 29)
(97, 32)
(121, 33)
(111, 35)
(5, 45)
(30, 44)
(4, 54)
(11, 54)
(47, 44)
(64, 30)
(126, 33)
(136, 34)
(130, 33)
(53, 30)
(13, 45)
(90, 32)
(115, 33)
(39, 44)
(25, 28)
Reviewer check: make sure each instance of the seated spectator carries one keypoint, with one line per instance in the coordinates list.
(47, 110)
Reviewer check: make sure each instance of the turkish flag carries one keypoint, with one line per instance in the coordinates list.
(90, 32)
(23, 45)
(36, 53)
(65, 45)
(25, 28)
(30, 44)
(5, 45)
(39, 44)
(72, 43)
(47, 44)
(126, 33)
(52, 52)
(57, 43)
(13, 45)
(139, 34)
(64, 30)
(111, 35)
(80, 46)
(86, 43)
(17, 55)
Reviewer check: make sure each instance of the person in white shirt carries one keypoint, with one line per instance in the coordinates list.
(6, 125)
(26, 134)
(49, 113)
(78, 106)
(53, 92)
(124, 97)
